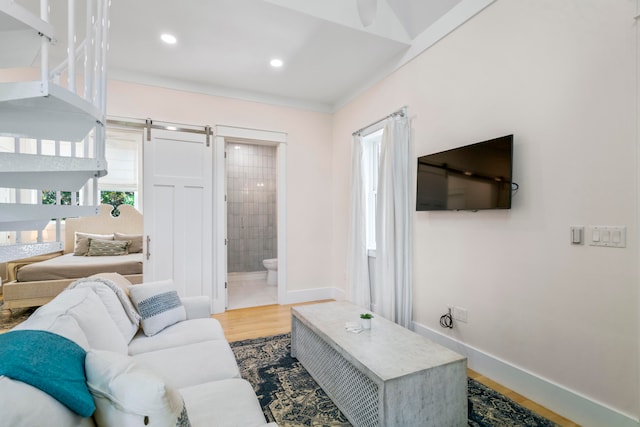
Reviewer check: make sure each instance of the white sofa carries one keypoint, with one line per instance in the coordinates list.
(125, 368)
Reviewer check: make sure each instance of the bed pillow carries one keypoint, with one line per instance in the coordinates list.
(100, 247)
(127, 394)
(158, 304)
(135, 239)
(82, 241)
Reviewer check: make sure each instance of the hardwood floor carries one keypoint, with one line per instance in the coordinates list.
(256, 322)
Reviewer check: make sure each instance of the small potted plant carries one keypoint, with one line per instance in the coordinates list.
(366, 320)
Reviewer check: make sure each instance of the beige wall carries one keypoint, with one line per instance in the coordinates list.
(561, 76)
(308, 162)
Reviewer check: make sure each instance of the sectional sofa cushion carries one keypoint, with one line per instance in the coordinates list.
(197, 307)
(224, 403)
(86, 308)
(182, 333)
(23, 405)
(127, 394)
(117, 303)
(61, 324)
(158, 304)
(192, 364)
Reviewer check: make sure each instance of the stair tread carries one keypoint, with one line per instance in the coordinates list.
(46, 111)
(25, 217)
(21, 162)
(28, 250)
(16, 17)
(48, 172)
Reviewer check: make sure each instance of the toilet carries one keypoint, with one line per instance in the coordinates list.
(272, 270)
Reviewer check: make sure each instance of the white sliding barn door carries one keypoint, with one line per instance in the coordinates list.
(178, 210)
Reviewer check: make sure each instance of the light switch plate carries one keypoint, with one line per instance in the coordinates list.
(608, 236)
(576, 237)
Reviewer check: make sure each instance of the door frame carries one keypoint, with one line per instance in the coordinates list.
(279, 139)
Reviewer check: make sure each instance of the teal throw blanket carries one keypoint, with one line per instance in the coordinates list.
(49, 362)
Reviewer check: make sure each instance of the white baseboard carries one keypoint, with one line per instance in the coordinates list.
(569, 404)
(307, 295)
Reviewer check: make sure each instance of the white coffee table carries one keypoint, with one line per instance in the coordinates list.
(385, 376)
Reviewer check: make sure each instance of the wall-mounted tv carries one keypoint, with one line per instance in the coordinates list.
(473, 177)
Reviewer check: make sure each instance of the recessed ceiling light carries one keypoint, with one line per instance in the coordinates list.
(168, 38)
(276, 63)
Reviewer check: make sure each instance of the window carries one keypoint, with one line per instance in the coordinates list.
(121, 185)
(371, 145)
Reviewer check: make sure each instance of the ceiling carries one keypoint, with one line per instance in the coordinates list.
(224, 46)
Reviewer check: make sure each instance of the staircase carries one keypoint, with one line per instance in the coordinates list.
(52, 117)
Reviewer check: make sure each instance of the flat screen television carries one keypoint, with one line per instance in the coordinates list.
(473, 177)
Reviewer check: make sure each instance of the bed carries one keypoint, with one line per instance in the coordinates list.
(37, 281)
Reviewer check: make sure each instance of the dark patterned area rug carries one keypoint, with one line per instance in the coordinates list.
(289, 396)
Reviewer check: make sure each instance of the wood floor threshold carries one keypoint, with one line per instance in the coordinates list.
(263, 321)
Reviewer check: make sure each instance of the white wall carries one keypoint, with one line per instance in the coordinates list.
(308, 162)
(560, 75)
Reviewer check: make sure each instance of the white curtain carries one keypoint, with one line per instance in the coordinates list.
(393, 264)
(358, 260)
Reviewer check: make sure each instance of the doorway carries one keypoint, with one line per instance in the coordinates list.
(251, 224)
(249, 218)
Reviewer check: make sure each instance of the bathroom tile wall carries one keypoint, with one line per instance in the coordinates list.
(251, 206)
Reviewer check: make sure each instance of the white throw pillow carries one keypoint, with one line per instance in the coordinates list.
(158, 304)
(128, 395)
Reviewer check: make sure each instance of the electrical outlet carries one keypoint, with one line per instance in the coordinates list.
(460, 314)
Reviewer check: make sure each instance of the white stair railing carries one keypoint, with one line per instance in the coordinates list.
(67, 105)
